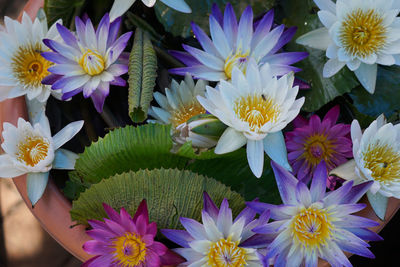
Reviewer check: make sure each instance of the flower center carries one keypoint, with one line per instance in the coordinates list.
(237, 60)
(317, 147)
(311, 227)
(33, 150)
(92, 62)
(257, 110)
(226, 253)
(383, 161)
(185, 112)
(29, 67)
(363, 33)
(130, 250)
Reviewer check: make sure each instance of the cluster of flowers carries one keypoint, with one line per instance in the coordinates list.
(255, 98)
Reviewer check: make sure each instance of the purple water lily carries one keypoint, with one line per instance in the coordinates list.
(89, 61)
(232, 44)
(312, 224)
(219, 241)
(314, 141)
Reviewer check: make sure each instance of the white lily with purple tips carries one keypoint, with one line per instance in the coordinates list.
(312, 224)
(89, 61)
(33, 151)
(220, 240)
(359, 34)
(233, 44)
(255, 107)
(121, 6)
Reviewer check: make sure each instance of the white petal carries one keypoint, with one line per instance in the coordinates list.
(64, 160)
(366, 74)
(67, 133)
(332, 67)
(326, 5)
(230, 140)
(119, 8)
(255, 156)
(275, 147)
(327, 18)
(318, 39)
(332, 51)
(378, 203)
(353, 64)
(346, 171)
(36, 184)
(179, 5)
(7, 167)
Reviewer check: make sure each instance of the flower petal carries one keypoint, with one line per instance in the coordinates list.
(36, 184)
(230, 140)
(64, 160)
(119, 8)
(275, 147)
(255, 156)
(286, 184)
(318, 39)
(378, 203)
(67, 133)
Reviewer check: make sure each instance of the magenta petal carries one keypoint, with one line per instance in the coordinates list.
(111, 213)
(141, 225)
(142, 210)
(159, 248)
(332, 115)
(209, 206)
(95, 247)
(100, 234)
(171, 258)
(100, 261)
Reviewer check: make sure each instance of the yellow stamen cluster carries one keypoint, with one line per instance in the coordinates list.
(257, 110)
(226, 253)
(239, 60)
(185, 112)
(130, 250)
(29, 67)
(383, 161)
(92, 62)
(363, 33)
(312, 227)
(32, 150)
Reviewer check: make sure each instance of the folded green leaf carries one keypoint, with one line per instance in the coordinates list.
(170, 194)
(142, 76)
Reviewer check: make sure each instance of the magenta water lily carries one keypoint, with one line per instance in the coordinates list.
(89, 62)
(125, 241)
(312, 224)
(232, 44)
(313, 141)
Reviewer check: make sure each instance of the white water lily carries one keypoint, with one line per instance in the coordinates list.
(32, 150)
(121, 6)
(178, 106)
(376, 158)
(255, 107)
(22, 67)
(359, 34)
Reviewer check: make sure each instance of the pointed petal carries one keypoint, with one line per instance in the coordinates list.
(366, 74)
(286, 184)
(230, 140)
(346, 171)
(318, 184)
(119, 8)
(179, 5)
(318, 39)
(36, 184)
(378, 203)
(67, 133)
(64, 160)
(275, 147)
(255, 156)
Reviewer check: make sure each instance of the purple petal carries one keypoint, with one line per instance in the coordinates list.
(102, 32)
(280, 70)
(171, 259)
(333, 114)
(67, 36)
(113, 31)
(118, 81)
(263, 28)
(208, 60)
(103, 260)
(64, 50)
(302, 84)
(209, 206)
(200, 72)
(142, 210)
(277, 212)
(318, 184)
(69, 83)
(286, 184)
(284, 39)
(118, 69)
(230, 24)
(70, 94)
(194, 228)
(303, 195)
(271, 228)
(365, 234)
(204, 40)
(80, 29)
(335, 197)
(51, 79)
(185, 58)
(100, 234)
(180, 237)
(287, 58)
(300, 122)
(248, 214)
(95, 247)
(119, 46)
(356, 192)
(245, 30)
(353, 221)
(216, 13)
(258, 241)
(56, 58)
(111, 213)
(224, 219)
(99, 96)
